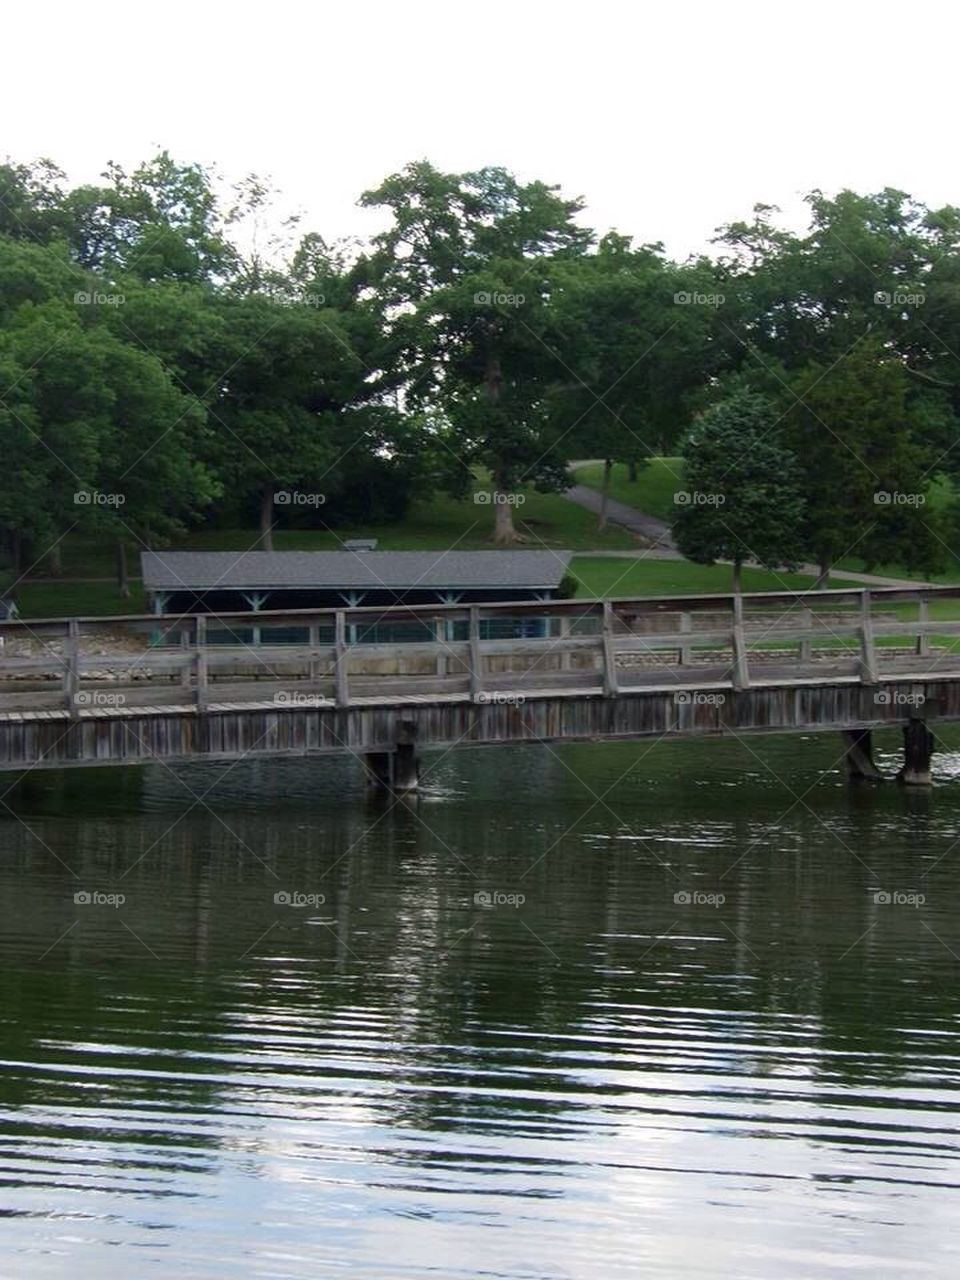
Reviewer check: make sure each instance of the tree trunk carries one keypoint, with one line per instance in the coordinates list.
(604, 495)
(823, 577)
(504, 531)
(123, 577)
(55, 559)
(265, 541)
(737, 584)
(632, 472)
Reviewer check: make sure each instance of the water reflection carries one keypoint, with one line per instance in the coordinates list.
(691, 1038)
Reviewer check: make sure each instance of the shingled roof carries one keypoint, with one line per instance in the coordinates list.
(393, 570)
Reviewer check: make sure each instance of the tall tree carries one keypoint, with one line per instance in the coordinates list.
(465, 275)
(741, 500)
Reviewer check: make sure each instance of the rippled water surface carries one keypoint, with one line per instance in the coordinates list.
(600, 1011)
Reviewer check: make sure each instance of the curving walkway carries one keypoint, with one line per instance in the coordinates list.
(662, 546)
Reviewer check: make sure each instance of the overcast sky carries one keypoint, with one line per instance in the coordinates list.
(669, 118)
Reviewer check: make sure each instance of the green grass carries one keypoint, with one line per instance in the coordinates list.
(608, 576)
(543, 519)
(653, 490)
(53, 599)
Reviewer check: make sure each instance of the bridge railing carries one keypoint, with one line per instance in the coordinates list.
(90, 666)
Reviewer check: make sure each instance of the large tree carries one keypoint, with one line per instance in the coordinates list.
(862, 433)
(465, 272)
(740, 500)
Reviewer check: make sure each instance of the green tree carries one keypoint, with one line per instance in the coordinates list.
(860, 430)
(741, 500)
(464, 273)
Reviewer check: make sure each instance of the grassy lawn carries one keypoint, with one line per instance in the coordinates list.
(543, 519)
(606, 576)
(53, 599)
(653, 490)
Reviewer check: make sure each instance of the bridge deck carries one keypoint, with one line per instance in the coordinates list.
(89, 690)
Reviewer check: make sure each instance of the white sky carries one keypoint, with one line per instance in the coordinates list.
(670, 118)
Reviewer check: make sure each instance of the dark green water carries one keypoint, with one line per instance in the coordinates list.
(394, 1081)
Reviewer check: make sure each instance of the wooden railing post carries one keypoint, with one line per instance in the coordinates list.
(200, 661)
(186, 670)
(686, 654)
(609, 653)
(741, 672)
(439, 635)
(566, 655)
(341, 682)
(806, 646)
(476, 656)
(313, 669)
(923, 640)
(71, 671)
(868, 655)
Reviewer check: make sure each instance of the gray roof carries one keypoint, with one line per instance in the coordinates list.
(263, 570)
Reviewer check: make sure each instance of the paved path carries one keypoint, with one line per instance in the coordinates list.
(663, 547)
(651, 527)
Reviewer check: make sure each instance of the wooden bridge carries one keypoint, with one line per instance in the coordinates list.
(383, 683)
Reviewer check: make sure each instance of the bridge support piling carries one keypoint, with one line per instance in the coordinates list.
(377, 765)
(918, 748)
(406, 767)
(406, 761)
(859, 756)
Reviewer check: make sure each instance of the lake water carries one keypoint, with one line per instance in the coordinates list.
(596, 1011)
